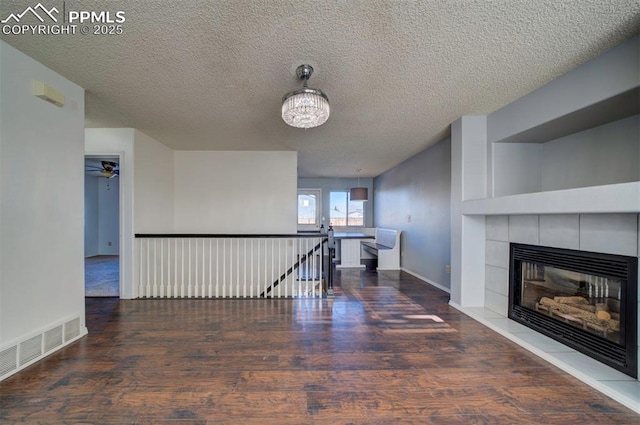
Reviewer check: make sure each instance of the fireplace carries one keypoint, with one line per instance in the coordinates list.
(585, 300)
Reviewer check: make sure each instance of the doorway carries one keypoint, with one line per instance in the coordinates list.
(309, 210)
(102, 226)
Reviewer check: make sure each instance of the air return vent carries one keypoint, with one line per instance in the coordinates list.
(8, 361)
(30, 349)
(52, 338)
(71, 329)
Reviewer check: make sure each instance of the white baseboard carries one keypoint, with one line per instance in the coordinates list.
(33, 347)
(429, 281)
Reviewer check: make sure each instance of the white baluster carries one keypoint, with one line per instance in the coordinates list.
(140, 267)
(148, 288)
(203, 292)
(244, 267)
(224, 266)
(161, 293)
(195, 280)
(294, 249)
(189, 280)
(322, 271)
(175, 268)
(168, 267)
(210, 274)
(182, 274)
(307, 264)
(252, 266)
(218, 268)
(155, 268)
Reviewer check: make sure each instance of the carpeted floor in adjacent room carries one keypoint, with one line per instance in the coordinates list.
(102, 276)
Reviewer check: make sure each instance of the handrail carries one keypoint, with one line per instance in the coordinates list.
(228, 235)
(296, 266)
(178, 265)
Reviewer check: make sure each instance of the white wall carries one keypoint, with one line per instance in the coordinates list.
(420, 187)
(108, 220)
(235, 192)
(91, 211)
(41, 200)
(153, 186)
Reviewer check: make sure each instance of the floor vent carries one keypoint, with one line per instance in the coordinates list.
(71, 329)
(52, 338)
(30, 349)
(8, 361)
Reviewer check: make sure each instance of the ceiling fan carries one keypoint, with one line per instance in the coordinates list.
(109, 169)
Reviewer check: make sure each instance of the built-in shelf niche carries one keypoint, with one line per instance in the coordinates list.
(596, 145)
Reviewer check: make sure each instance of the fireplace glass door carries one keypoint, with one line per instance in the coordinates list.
(585, 300)
(581, 300)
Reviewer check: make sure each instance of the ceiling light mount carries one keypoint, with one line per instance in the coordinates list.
(305, 107)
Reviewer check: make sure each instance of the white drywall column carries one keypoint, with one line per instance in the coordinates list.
(468, 181)
(41, 201)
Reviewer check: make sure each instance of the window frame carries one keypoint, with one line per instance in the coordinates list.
(315, 226)
(348, 201)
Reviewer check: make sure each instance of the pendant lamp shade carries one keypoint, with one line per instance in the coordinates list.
(359, 194)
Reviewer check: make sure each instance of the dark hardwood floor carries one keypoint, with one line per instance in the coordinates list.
(387, 350)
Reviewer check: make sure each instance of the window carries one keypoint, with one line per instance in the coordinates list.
(345, 212)
(309, 209)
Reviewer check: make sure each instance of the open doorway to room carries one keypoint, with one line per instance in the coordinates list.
(309, 210)
(102, 226)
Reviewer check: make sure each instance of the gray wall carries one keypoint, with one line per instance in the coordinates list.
(328, 185)
(420, 187)
(611, 73)
(90, 216)
(101, 216)
(607, 154)
(108, 216)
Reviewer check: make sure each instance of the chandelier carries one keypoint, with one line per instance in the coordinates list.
(305, 107)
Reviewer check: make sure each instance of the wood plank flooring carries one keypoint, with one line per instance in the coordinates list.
(387, 350)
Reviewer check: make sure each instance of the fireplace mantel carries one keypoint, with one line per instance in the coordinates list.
(611, 198)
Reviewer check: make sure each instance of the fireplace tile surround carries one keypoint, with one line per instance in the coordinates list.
(606, 233)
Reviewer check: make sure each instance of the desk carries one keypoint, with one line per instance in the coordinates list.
(350, 248)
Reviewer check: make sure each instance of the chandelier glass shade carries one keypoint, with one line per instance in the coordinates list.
(305, 107)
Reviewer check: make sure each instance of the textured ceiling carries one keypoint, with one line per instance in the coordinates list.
(210, 75)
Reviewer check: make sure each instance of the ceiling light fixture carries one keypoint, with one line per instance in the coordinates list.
(305, 107)
(359, 193)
